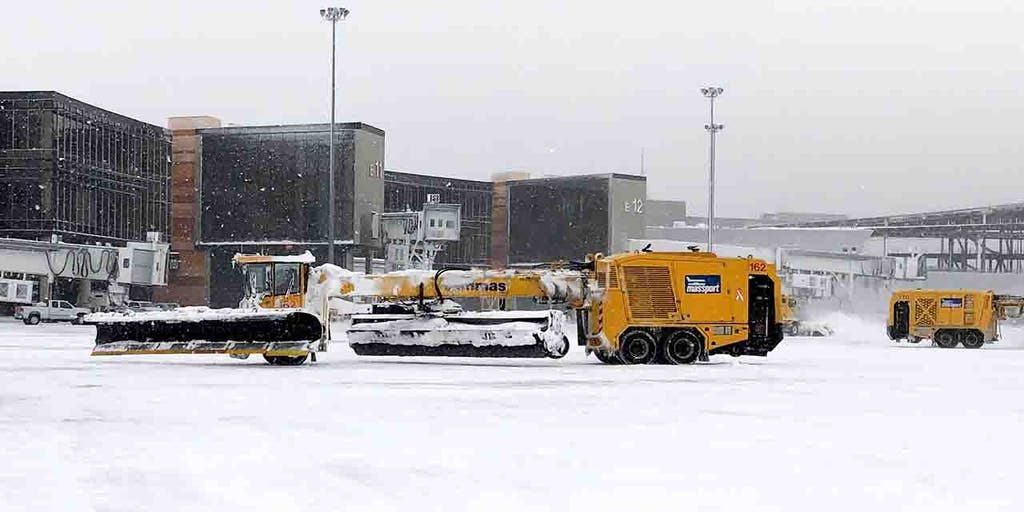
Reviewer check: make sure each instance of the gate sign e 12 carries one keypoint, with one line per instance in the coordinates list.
(952, 302)
(703, 284)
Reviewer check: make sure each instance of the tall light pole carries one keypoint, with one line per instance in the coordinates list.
(333, 15)
(711, 93)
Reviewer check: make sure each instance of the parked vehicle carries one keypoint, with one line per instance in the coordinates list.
(143, 305)
(950, 317)
(53, 311)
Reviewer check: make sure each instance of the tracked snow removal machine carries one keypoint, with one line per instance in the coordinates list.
(632, 308)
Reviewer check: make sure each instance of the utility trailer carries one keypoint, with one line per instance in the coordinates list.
(950, 317)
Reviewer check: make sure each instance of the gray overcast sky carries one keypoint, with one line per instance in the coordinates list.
(858, 107)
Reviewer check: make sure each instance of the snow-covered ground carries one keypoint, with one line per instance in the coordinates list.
(851, 422)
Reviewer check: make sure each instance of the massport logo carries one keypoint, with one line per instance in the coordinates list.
(703, 284)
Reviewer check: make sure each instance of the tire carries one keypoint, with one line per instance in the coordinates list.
(562, 350)
(972, 339)
(78, 319)
(638, 347)
(606, 358)
(681, 347)
(286, 360)
(32, 319)
(946, 338)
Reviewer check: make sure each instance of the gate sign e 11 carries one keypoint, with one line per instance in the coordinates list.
(703, 284)
(952, 302)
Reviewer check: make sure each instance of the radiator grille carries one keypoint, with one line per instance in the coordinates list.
(613, 277)
(925, 312)
(650, 293)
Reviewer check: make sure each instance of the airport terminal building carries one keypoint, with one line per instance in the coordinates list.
(79, 172)
(79, 183)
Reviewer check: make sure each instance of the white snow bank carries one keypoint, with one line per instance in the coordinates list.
(187, 314)
(329, 280)
(563, 285)
(1011, 335)
(433, 332)
(346, 308)
(306, 257)
(847, 427)
(851, 327)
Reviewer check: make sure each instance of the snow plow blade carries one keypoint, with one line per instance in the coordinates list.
(204, 331)
(518, 334)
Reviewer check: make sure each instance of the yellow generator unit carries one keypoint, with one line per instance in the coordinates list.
(678, 307)
(949, 317)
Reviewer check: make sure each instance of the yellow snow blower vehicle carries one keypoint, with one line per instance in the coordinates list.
(632, 308)
(950, 317)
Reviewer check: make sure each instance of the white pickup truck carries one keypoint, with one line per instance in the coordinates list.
(53, 311)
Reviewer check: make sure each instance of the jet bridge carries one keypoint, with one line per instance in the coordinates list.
(29, 267)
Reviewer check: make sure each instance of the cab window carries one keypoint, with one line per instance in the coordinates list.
(258, 279)
(286, 278)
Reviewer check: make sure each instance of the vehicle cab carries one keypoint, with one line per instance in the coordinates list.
(274, 281)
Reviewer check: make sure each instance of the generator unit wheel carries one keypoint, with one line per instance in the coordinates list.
(681, 347)
(972, 339)
(638, 347)
(946, 338)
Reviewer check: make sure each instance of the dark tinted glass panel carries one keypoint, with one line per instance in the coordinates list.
(560, 219)
(271, 186)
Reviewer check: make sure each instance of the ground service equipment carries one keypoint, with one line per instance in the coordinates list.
(792, 325)
(950, 317)
(677, 307)
(633, 308)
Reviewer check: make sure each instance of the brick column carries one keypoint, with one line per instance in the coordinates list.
(186, 284)
(499, 216)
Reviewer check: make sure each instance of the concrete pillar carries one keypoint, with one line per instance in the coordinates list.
(980, 243)
(84, 292)
(849, 284)
(346, 259)
(44, 288)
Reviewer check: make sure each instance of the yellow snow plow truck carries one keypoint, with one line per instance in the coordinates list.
(633, 308)
(950, 317)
